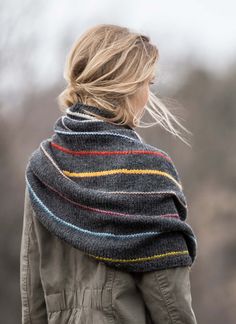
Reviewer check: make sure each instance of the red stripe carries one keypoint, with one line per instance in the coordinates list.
(63, 149)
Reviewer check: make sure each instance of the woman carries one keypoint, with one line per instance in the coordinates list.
(104, 235)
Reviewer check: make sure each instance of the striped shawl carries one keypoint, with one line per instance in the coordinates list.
(99, 187)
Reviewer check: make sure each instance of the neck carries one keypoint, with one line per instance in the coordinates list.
(85, 109)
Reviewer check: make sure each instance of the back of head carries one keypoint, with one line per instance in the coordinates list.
(106, 67)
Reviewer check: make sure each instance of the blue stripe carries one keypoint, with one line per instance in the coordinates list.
(81, 229)
(113, 134)
(90, 232)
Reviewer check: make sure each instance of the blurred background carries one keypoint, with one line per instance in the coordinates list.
(196, 77)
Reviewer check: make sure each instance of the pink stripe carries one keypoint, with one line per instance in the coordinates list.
(101, 210)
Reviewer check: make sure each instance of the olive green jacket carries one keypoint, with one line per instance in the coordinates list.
(60, 284)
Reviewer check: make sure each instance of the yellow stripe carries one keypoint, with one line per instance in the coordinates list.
(108, 172)
(157, 256)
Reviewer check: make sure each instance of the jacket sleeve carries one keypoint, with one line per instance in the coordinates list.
(167, 295)
(31, 290)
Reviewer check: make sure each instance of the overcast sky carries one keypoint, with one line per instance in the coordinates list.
(200, 30)
(205, 29)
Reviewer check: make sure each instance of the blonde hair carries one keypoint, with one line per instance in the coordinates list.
(105, 67)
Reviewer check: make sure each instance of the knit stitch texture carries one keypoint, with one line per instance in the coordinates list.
(99, 187)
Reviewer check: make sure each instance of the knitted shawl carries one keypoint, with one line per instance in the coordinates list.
(99, 187)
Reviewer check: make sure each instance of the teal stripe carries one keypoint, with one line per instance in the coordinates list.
(84, 230)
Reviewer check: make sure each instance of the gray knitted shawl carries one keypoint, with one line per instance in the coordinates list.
(99, 187)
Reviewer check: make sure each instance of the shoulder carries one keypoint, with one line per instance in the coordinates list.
(162, 160)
